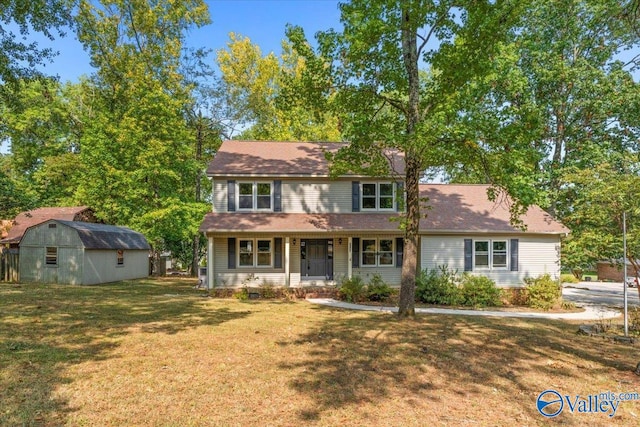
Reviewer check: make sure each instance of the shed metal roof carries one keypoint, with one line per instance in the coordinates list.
(102, 236)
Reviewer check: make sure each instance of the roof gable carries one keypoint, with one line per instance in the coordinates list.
(33, 217)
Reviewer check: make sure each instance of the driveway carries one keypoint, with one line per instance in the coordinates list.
(599, 294)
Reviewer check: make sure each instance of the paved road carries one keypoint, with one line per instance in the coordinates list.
(599, 293)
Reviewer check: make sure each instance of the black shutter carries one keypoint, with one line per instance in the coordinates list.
(231, 252)
(400, 196)
(231, 196)
(355, 252)
(514, 254)
(277, 196)
(468, 254)
(277, 252)
(399, 251)
(355, 196)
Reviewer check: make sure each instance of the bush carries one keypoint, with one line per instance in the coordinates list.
(377, 289)
(479, 291)
(543, 292)
(437, 286)
(352, 290)
(242, 294)
(568, 278)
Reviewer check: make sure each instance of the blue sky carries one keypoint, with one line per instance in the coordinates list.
(263, 21)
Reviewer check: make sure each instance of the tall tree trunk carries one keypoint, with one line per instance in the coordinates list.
(412, 172)
(196, 239)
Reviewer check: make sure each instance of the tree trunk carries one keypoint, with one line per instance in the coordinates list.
(198, 155)
(412, 170)
(411, 241)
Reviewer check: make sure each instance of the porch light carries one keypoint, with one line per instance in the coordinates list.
(294, 241)
(340, 241)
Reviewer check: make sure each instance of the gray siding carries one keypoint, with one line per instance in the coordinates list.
(537, 255)
(316, 197)
(76, 266)
(100, 266)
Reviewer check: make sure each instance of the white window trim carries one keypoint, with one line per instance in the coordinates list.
(254, 196)
(490, 249)
(254, 252)
(378, 208)
(377, 253)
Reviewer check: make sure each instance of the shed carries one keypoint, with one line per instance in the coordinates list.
(80, 253)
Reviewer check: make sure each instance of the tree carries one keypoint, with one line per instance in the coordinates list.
(137, 145)
(392, 76)
(259, 92)
(45, 134)
(17, 59)
(602, 194)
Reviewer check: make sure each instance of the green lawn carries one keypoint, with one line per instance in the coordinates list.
(160, 353)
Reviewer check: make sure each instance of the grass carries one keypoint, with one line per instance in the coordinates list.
(159, 353)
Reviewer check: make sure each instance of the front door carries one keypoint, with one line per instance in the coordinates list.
(316, 258)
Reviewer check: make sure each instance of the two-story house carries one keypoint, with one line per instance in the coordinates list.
(279, 218)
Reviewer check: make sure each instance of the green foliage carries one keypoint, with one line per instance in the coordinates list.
(568, 278)
(378, 289)
(479, 291)
(242, 294)
(262, 93)
(353, 289)
(438, 286)
(543, 292)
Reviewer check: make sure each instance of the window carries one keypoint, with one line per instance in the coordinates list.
(481, 254)
(378, 196)
(499, 254)
(120, 257)
(245, 254)
(51, 256)
(490, 254)
(377, 252)
(249, 256)
(255, 195)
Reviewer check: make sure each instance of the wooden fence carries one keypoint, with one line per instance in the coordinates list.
(9, 265)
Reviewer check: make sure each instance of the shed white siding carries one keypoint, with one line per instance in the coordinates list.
(100, 266)
(537, 255)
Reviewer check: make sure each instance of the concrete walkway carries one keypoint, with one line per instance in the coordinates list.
(589, 313)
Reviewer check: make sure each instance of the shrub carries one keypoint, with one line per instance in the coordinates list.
(479, 291)
(242, 294)
(377, 289)
(568, 278)
(352, 290)
(267, 291)
(543, 292)
(437, 286)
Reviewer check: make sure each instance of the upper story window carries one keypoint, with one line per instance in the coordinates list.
(377, 196)
(255, 196)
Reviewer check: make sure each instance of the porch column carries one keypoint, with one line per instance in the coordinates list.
(349, 258)
(287, 267)
(210, 264)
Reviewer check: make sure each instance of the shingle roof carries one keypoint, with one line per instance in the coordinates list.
(273, 158)
(27, 219)
(454, 209)
(102, 236)
(458, 207)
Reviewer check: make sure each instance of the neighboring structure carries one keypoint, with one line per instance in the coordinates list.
(80, 253)
(610, 271)
(9, 251)
(277, 217)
